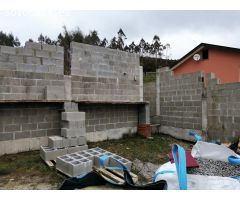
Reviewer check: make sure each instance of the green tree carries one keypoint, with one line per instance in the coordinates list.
(92, 38)
(132, 47)
(113, 43)
(9, 40)
(41, 39)
(103, 43)
(121, 38)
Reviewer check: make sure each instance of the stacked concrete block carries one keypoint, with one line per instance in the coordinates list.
(48, 153)
(73, 131)
(105, 75)
(74, 165)
(82, 162)
(73, 124)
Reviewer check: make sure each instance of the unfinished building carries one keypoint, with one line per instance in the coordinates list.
(105, 84)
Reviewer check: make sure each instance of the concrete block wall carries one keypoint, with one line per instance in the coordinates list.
(33, 57)
(223, 110)
(26, 126)
(149, 94)
(106, 121)
(106, 75)
(31, 86)
(181, 99)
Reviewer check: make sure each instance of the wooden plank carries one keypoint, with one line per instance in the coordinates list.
(109, 175)
(121, 175)
(49, 163)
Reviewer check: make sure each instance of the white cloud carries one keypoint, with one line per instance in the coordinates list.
(182, 29)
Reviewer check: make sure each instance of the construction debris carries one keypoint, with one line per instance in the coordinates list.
(83, 162)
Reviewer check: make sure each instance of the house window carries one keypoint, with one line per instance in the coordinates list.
(205, 54)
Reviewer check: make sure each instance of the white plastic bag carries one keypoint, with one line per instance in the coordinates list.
(212, 151)
(196, 182)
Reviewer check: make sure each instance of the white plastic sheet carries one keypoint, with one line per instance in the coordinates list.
(212, 151)
(196, 182)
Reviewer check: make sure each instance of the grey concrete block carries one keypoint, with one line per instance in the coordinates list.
(6, 136)
(62, 163)
(73, 142)
(55, 142)
(73, 116)
(42, 54)
(73, 124)
(97, 161)
(48, 153)
(60, 49)
(25, 52)
(54, 93)
(49, 61)
(32, 60)
(65, 142)
(82, 141)
(33, 45)
(81, 167)
(68, 133)
(57, 55)
(8, 50)
(15, 59)
(48, 47)
(74, 167)
(85, 154)
(77, 148)
(125, 162)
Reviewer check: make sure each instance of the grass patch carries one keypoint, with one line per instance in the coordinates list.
(147, 150)
(28, 167)
(27, 164)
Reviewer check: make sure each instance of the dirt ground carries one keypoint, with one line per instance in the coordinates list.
(27, 170)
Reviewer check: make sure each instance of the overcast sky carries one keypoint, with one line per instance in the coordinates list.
(183, 30)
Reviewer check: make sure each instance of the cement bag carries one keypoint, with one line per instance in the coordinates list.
(212, 151)
(176, 177)
(168, 173)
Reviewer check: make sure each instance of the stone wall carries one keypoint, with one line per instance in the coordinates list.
(105, 75)
(25, 126)
(223, 104)
(104, 121)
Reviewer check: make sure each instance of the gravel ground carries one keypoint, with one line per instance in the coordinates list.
(215, 168)
(145, 169)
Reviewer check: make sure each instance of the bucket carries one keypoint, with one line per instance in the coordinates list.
(144, 130)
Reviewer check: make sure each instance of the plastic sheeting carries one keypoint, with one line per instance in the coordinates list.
(196, 182)
(212, 151)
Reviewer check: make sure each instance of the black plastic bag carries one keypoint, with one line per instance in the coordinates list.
(95, 179)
